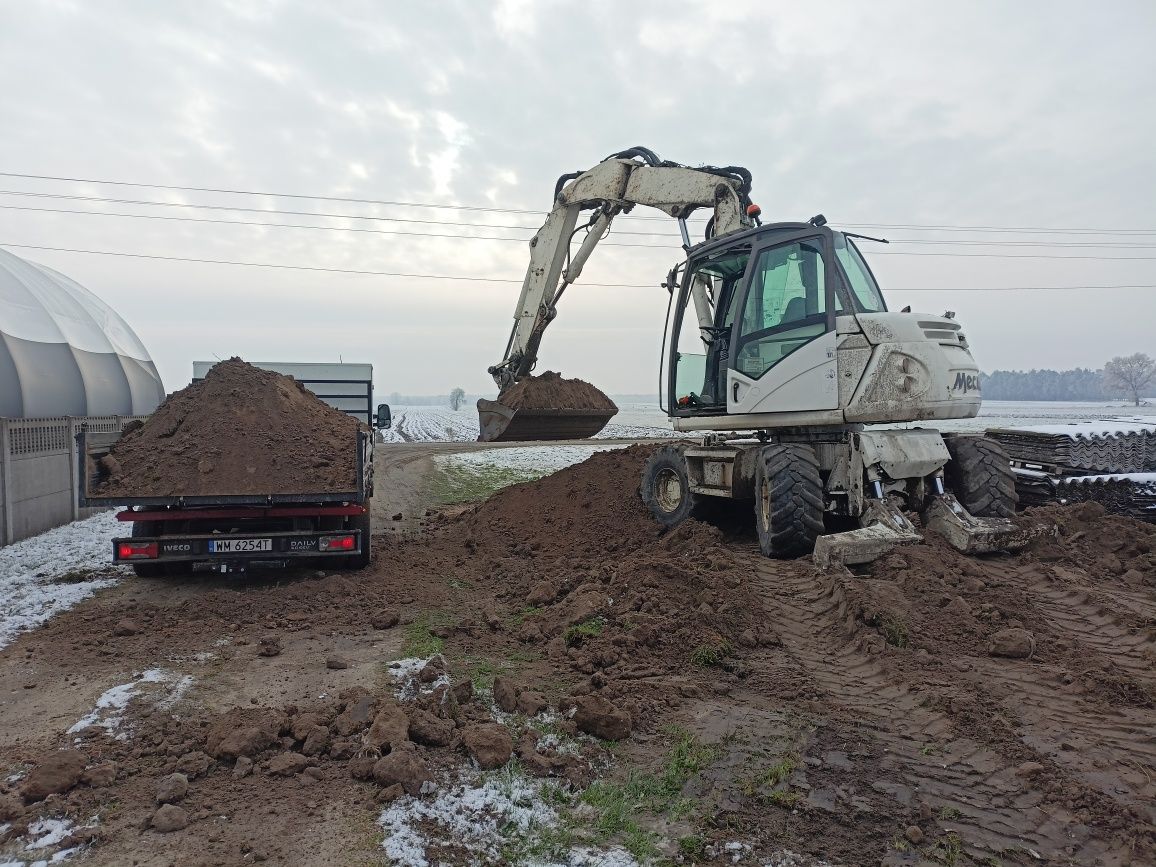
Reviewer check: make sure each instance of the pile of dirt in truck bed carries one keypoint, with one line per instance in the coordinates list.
(552, 391)
(241, 430)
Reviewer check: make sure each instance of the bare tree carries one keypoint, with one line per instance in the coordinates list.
(1130, 374)
(457, 398)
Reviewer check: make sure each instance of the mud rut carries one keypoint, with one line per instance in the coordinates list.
(1023, 761)
(978, 785)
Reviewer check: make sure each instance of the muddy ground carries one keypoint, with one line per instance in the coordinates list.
(930, 708)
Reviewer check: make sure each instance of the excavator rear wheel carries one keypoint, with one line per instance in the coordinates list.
(980, 476)
(666, 488)
(788, 500)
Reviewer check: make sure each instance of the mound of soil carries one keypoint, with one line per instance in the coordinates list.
(241, 430)
(552, 391)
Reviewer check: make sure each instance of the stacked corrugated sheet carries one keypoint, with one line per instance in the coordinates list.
(1115, 446)
(1124, 493)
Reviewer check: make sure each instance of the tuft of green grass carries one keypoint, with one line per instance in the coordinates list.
(621, 805)
(582, 632)
(454, 483)
(949, 813)
(783, 798)
(709, 655)
(692, 846)
(419, 641)
(894, 630)
(947, 849)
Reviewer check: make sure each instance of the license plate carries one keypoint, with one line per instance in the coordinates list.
(239, 546)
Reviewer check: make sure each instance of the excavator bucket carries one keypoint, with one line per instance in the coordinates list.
(545, 407)
(499, 423)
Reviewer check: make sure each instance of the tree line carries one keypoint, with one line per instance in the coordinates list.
(1130, 377)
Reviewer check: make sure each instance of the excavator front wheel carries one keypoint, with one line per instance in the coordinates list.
(980, 475)
(788, 500)
(666, 487)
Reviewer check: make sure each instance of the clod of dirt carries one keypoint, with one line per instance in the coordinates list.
(356, 716)
(243, 767)
(316, 742)
(10, 809)
(505, 694)
(287, 764)
(270, 646)
(402, 767)
(194, 764)
(125, 627)
(243, 732)
(241, 430)
(99, 776)
(1012, 643)
(386, 618)
(600, 717)
(57, 773)
(389, 794)
(531, 703)
(172, 788)
(489, 744)
(170, 818)
(390, 729)
(542, 593)
(914, 834)
(552, 391)
(432, 731)
(336, 662)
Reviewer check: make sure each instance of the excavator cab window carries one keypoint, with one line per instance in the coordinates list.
(864, 289)
(785, 308)
(703, 322)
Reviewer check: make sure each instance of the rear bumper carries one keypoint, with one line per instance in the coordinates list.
(197, 548)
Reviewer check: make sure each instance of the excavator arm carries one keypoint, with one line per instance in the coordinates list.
(613, 187)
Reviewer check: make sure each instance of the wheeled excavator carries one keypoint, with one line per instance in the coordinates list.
(781, 357)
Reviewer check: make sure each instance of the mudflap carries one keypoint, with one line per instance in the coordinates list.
(973, 535)
(499, 423)
(884, 527)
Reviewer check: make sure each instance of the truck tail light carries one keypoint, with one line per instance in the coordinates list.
(346, 542)
(136, 551)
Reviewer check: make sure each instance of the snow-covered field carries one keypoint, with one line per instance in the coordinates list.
(49, 573)
(643, 421)
(442, 424)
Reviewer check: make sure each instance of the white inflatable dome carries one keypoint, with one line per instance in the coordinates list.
(63, 351)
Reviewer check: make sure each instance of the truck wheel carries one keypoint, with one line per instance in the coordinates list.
(142, 529)
(665, 488)
(364, 523)
(788, 500)
(980, 476)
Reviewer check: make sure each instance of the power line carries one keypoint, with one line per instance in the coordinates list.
(512, 280)
(672, 245)
(492, 209)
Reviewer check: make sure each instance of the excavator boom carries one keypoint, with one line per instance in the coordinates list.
(614, 186)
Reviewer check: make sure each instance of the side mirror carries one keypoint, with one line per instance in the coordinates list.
(384, 419)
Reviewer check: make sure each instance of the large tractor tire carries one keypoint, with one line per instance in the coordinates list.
(141, 530)
(980, 476)
(666, 490)
(788, 500)
(364, 523)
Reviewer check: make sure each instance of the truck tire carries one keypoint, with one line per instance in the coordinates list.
(143, 529)
(788, 500)
(364, 523)
(666, 490)
(980, 476)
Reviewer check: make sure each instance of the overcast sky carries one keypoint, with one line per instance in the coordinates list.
(1026, 114)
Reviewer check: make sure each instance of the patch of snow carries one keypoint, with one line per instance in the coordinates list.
(586, 857)
(29, 568)
(475, 815)
(108, 713)
(405, 672)
(47, 832)
(532, 460)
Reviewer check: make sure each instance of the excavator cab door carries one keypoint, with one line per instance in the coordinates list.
(782, 343)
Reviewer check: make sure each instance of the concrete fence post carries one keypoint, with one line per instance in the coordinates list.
(73, 470)
(6, 531)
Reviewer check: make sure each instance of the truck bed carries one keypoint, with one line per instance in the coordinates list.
(91, 447)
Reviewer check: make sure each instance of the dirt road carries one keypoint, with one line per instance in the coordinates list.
(929, 709)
